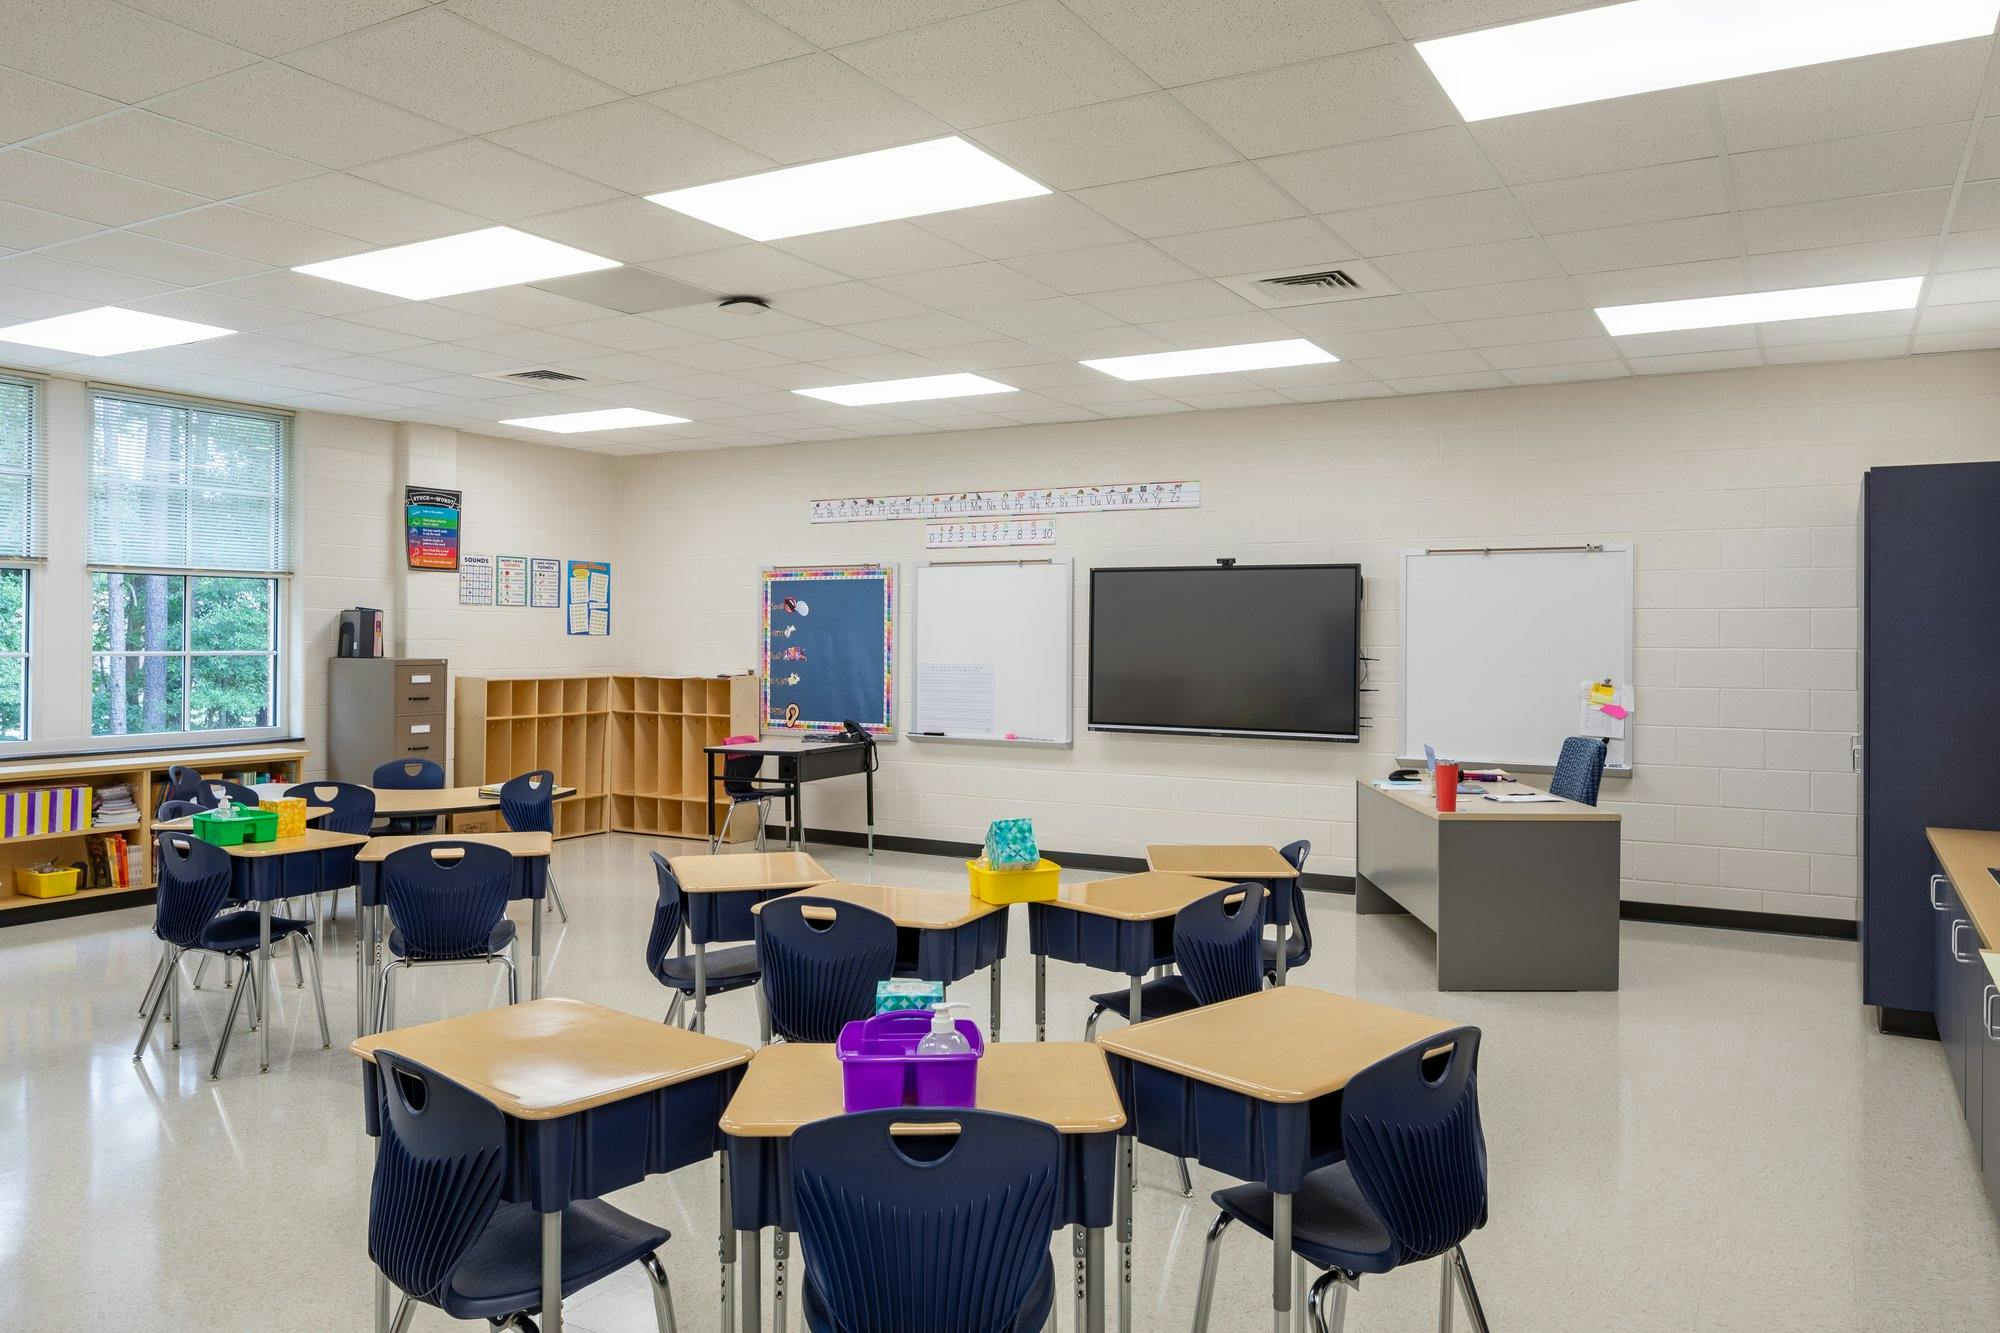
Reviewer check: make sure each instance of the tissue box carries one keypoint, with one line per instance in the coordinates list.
(901, 993)
(291, 813)
(1011, 842)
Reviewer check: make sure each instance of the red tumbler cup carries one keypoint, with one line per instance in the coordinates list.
(1447, 788)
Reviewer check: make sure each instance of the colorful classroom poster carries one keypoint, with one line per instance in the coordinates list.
(545, 582)
(510, 580)
(1049, 501)
(830, 647)
(430, 527)
(475, 580)
(590, 597)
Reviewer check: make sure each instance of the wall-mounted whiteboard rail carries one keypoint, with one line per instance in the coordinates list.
(1497, 643)
(991, 655)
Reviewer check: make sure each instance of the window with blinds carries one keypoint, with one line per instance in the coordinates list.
(23, 473)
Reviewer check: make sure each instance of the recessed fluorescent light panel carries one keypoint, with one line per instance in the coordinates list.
(907, 182)
(611, 418)
(908, 391)
(1714, 312)
(1215, 360)
(470, 262)
(108, 331)
(1646, 45)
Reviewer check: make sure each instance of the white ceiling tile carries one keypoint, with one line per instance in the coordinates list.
(919, 332)
(1644, 131)
(372, 369)
(714, 321)
(893, 365)
(1421, 19)
(1218, 402)
(1571, 374)
(877, 250)
(641, 333)
(1868, 164)
(1470, 265)
(1985, 163)
(438, 65)
(1363, 95)
(832, 23)
(747, 270)
(487, 180)
(456, 358)
(1089, 344)
(35, 181)
(1450, 383)
(1047, 373)
(1331, 393)
(1567, 351)
(340, 335)
(1875, 217)
(966, 285)
(1683, 341)
(1431, 224)
(1978, 207)
(634, 45)
(361, 208)
(1417, 364)
(303, 294)
(622, 367)
(1927, 343)
(1645, 244)
(1221, 330)
(802, 110)
(1877, 324)
(229, 230)
(1173, 300)
(1017, 358)
(632, 145)
(429, 320)
(1391, 342)
(1102, 268)
(1531, 296)
(148, 257)
(1332, 318)
(848, 303)
(534, 346)
(814, 344)
(735, 359)
(1959, 318)
(175, 154)
(631, 231)
(1666, 282)
(1303, 377)
(1257, 247)
(1980, 284)
(1691, 362)
(524, 307)
(1543, 327)
(1103, 391)
(1394, 170)
(273, 27)
(1970, 249)
(30, 228)
(40, 272)
(1017, 227)
(273, 349)
(1184, 41)
(111, 50)
(1925, 86)
(1002, 64)
(31, 106)
(1620, 198)
(1191, 201)
(1027, 319)
(292, 112)
(1859, 349)
(1121, 140)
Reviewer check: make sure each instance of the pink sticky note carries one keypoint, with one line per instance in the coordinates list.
(1012, 737)
(1613, 711)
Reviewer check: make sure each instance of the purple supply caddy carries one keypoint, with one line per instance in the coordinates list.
(880, 1067)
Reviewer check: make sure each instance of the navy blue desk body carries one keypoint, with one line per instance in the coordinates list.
(1123, 925)
(721, 891)
(555, 1160)
(799, 762)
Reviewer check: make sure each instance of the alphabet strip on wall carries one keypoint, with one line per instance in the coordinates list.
(995, 504)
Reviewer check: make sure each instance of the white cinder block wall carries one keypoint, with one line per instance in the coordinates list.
(1738, 489)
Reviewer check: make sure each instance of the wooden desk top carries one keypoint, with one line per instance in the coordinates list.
(1478, 807)
(405, 802)
(1220, 862)
(914, 909)
(312, 840)
(1065, 1083)
(1143, 897)
(186, 822)
(1291, 1044)
(514, 844)
(735, 872)
(779, 744)
(1966, 855)
(550, 1058)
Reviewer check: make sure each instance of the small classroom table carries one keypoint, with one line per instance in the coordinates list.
(800, 761)
(942, 935)
(1123, 925)
(265, 872)
(1066, 1084)
(531, 882)
(1238, 865)
(595, 1100)
(412, 802)
(185, 823)
(1251, 1087)
(721, 891)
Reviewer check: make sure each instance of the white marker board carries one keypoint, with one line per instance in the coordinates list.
(991, 655)
(1497, 645)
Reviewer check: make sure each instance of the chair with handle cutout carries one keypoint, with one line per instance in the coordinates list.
(527, 805)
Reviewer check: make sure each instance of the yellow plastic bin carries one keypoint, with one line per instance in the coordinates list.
(1028, 884)
(45, 883)
(291, 812)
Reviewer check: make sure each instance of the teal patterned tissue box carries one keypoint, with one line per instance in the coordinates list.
(907, 993)
(1011, 842)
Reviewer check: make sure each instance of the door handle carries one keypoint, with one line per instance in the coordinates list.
(1992, 1028)
(1937, 882)
(1957, 926)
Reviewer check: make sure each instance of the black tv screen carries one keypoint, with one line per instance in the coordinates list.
(1239, 650)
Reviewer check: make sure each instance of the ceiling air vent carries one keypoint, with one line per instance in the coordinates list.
(1349, 281)
(1330, 277)
(542, 375)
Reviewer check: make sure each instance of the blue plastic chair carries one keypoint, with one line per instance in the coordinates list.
(726, 969)
(1299, 942)
(182, 784)
(906, 1233)
(742, 790)
(409, 775)
(438, 1230)
(178, 809)
(210, 792)
(352, 810)
(191, 914)
(1580, 768)
(1411, 1187)
(447, 903)
(820, 961)
(1215, 956)
(527, 805)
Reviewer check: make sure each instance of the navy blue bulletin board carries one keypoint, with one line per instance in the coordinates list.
(829, 647)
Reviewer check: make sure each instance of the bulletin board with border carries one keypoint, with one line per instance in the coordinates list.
(829, 647)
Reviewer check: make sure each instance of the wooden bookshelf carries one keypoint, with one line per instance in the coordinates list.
(510, 725)
(658, 770)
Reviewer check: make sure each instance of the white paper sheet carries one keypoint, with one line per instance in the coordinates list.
(579, 617)
(955, 698)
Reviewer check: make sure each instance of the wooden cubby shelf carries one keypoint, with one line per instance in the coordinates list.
(507, 726)
(659, 725)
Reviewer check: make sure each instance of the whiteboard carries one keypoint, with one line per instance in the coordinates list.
(1497, 647)
(991, 657)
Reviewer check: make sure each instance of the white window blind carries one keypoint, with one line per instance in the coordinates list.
(177, 485)
(24, 494)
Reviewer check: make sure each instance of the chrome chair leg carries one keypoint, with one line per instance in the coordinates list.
(404, 1312)
(169, 962)
(1090, 1024)
(385, 1012)
(319, 995)
(513, 976)
(663, 1295)
(153, 986)
(555, 901)
(201, 969)
(1336, 1279)
(674, 1009)
(1211, 1255)
(228, 1030)
(1444, 1293)
(1474, 1312)
(1187, 1182)
(298, 968)
(173, 988)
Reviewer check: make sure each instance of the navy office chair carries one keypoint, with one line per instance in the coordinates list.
(181, 809)
(439, 1233)
(1299, 943)
(1580, 768)
(742, 790)
(1412, 1186)
(409, 775)
(447, 903)
(820, 961)
(182, 784)
(926, 1230)
(727, 969)
(210, 792)
(190, 915)
(527, 805)
(352, 809)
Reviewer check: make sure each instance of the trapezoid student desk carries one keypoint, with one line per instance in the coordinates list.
(799, 762)
(1066, 1084)
(1123, 925)
(595, 1100)
(1251, 864)
(1251, 1087)
(722, 890)
(414, 802)
(1521, 897)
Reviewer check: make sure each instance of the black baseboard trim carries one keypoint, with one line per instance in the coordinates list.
(56, 909)
(1720, 918)
(1906, 1022)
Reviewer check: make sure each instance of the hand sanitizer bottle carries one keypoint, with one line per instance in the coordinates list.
(944, 1037)
(224, 807)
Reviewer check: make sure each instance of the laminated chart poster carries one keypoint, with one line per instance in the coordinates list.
(475, 580)
(545, 585)
(510, 580)
(430, 527)
(590, 598)
(829, 647)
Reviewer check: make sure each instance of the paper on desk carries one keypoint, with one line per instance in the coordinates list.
(1523, 797)
(955, 698)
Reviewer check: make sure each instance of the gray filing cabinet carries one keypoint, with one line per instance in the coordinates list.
(383, 708)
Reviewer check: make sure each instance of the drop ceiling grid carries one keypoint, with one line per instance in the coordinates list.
(1073, 64)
